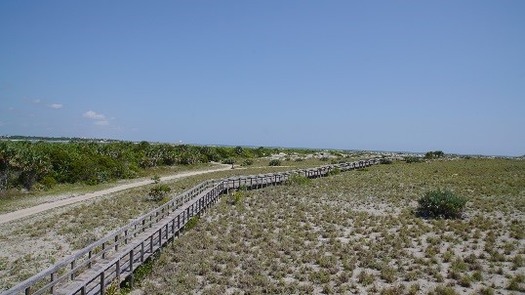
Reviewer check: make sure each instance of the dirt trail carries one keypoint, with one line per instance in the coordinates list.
(15, 215)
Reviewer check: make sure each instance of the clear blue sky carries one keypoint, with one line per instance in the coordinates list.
(378, 75)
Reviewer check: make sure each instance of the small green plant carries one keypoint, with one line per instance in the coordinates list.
(48, 182)
(247, 162)
(192, 222)
(444, 290)
(518, 261)
(113, 289)
(158, 192)
(515, 283)
(334, 171)
(441, 204)
(388, 274)
(236, 197)
(465, 281)
(297, 179)
(275, 162)
(365, 278)
(228, 161)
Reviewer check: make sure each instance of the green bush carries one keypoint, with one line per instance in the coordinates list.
(434, 155)
(412, 159)
(247, 162)
(192, 223)
(228, 161)
(158, 192)
(48, 182)
(275, 162)
(441, 204)
(297, 179)
(385, 161)
(236, 197)
(334, 171)
(443, 290)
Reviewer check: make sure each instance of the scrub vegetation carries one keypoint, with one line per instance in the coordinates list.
(42, 165)
(356, 233)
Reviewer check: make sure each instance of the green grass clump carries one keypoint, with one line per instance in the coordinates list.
(275, 162)
(236, 197)
(444, 290)
(192, 223)
(441, 204)
(334, 171)
(158, 192)
(297, 179)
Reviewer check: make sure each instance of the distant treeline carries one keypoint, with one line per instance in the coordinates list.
(23, 164)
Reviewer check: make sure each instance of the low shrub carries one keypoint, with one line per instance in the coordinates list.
(434, 155)
(441, 204)
(334, 171)
(48, 182)
(412, 159)
(247, 162)
(443, 290)
(385, 161)
(158, 192)
(297, 179)
(275, 162)
(192, 223)
(228, 161)
(236, 197)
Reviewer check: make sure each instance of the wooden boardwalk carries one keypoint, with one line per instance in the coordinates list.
(113, 258)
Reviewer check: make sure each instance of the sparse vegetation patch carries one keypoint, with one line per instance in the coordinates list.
(356, 234)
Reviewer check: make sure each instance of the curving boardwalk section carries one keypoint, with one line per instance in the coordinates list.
(113, 258)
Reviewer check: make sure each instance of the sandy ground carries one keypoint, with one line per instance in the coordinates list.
(22, 213)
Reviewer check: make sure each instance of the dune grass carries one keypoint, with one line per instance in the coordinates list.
(357, 233)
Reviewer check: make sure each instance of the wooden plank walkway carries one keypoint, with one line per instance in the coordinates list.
(113, 258)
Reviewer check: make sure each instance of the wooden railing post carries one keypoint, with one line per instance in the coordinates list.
(102, 283)
(151, 244)
(53, 286)
(131, 278)
(72, 275)
(142, 252)
(117, 271)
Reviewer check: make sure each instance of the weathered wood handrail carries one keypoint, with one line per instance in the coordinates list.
(128, 246)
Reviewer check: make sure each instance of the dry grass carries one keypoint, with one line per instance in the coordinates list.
(355, 233)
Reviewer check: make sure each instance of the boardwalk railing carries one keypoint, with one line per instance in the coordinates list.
(115, 257)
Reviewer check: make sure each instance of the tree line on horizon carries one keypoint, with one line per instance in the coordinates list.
(24, 164)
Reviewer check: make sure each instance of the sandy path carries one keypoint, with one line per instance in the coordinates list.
(15, 215)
